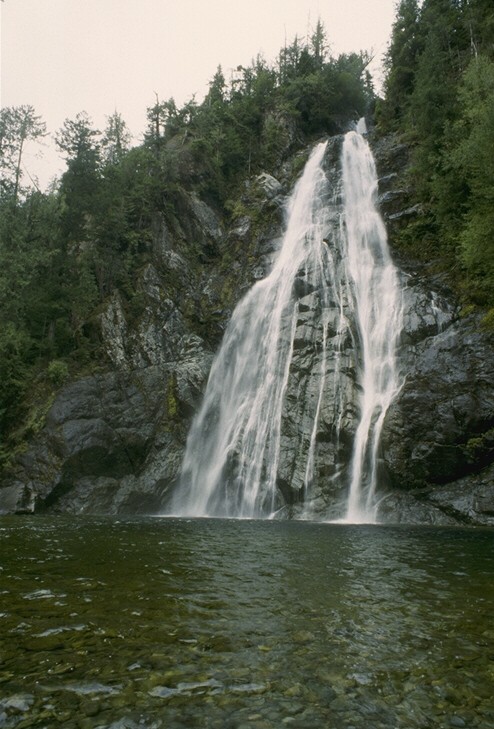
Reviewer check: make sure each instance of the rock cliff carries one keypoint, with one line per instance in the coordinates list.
(113, 440)
(437, 445)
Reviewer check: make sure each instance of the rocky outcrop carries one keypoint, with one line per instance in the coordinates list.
(440, 428)
(468, 500)
(437, 444)
(112, 442)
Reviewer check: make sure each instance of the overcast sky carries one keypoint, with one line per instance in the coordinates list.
(98, 56)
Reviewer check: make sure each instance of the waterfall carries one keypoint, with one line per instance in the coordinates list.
(378, 312)
(332, 290)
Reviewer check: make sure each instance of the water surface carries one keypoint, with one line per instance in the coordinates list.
(216, 623)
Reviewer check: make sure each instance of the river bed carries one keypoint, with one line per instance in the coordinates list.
(169, 623)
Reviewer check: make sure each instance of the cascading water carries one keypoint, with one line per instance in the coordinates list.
(332, 289)
(378, 312)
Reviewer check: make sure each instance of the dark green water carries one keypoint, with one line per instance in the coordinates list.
(172, 623)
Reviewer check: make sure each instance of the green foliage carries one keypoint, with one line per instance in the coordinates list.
(15, 355)
(257, 119)
(58, 372)
(480, 449)
(475, 135)
(80, 183)
(488, 320)
(17, 125)
(171, 398)
(400, 62)
(440, 96)
(116, 139)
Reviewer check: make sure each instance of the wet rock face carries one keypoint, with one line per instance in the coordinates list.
(109, 444)
(437, 437)
(334, 409)
(438, 428)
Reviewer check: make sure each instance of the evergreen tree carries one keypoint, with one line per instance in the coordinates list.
(18, 124)
(439, 94)
(80, 183)
(478, 21)
(401, 62)
(217, 89)
(116, 139)
(475, 134)
(318, 44)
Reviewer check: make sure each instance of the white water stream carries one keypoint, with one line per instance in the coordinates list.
(378, 311)
(232, 460)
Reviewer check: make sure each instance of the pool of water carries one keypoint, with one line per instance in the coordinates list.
(165, 623)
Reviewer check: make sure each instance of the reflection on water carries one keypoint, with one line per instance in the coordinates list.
(207, 623)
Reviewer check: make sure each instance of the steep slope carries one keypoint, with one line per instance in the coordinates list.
(113, 441)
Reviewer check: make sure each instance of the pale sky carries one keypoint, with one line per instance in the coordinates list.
(98, 56)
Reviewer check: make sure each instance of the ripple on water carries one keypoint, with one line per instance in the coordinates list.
(211, 623)
(91, 689)
(211, 686)
(43, 594)
(61, 629)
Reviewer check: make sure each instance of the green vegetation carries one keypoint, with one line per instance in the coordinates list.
(439, 95)
(480, 449)
(64, 252)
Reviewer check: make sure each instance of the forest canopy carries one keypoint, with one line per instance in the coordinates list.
(439, 96)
